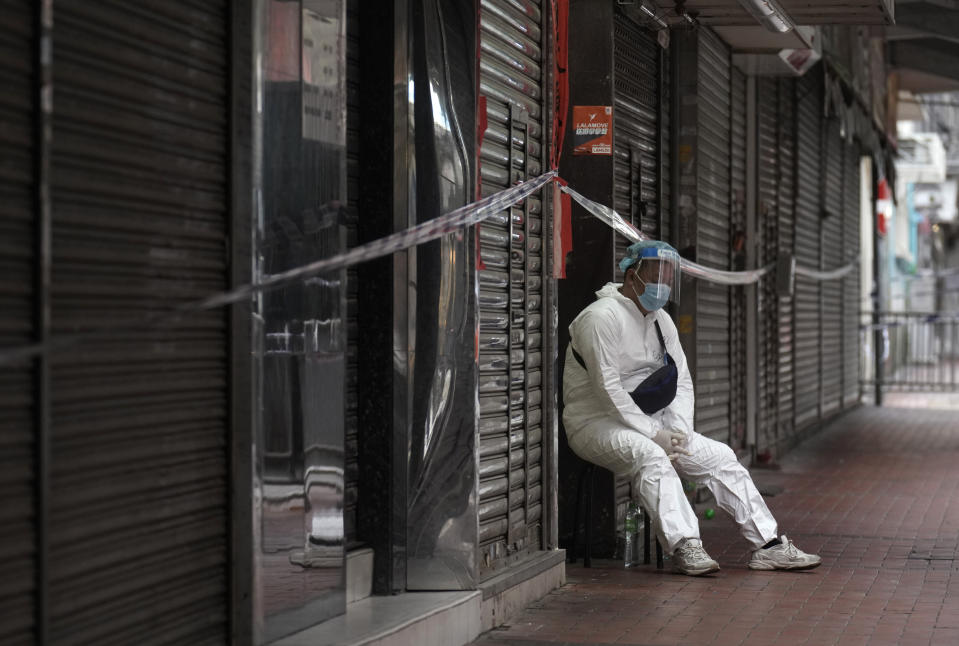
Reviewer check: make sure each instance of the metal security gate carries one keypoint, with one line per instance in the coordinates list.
(921, 353)
(737, 216)
(833, 255)
(785, 244)
(639, 188)
(712, 363)
(808, 243)
(850, 283)
(511, 286)
(18, 429)
(768, 178)
(139, 492)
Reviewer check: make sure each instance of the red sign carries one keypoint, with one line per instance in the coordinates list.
(592, 130)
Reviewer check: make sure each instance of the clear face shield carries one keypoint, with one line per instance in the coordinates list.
(659, 274)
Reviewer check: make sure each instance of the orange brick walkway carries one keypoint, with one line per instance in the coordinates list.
(876, 494)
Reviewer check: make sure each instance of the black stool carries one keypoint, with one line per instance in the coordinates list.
(586, 478)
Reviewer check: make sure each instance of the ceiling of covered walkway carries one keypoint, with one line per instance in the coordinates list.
(922, 36)
(924, 45)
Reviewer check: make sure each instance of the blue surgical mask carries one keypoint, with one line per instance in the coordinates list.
(654, 297)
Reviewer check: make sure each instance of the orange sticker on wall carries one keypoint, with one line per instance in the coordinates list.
(592, 130)
(685, 324)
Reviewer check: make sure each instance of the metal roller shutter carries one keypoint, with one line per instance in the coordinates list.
(639, 167)
(511, 286)
(808, 223)
(831, 257)
(737, 170)
(785, 201)
(768, 173)
(139, 491)
(350, 450)
(637, 131)
(17, 243)
(712, 244)
(665, 170)
(851, 244)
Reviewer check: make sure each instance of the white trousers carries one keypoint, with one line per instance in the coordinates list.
(656, 481)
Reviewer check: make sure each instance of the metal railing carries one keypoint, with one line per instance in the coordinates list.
(917, 351)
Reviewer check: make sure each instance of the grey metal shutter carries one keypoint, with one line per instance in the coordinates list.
(350, 448)
(638, 127)
(640, 168)
(737, 317)
(665, 214)
(831, 257)
(712, 243)
(768, 177)
(785, 202)
(850, 288)
(139, 469)
(511, 286)
(17, 242)
(808, 223)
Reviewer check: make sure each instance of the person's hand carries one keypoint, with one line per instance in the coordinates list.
(680, 440)
(671, 441)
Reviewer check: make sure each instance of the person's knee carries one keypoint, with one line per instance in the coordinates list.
(725, 454)
(730, 469)
(650, 455)
(707, 458)
(710, 452)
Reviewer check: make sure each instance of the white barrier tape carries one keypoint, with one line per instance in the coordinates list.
(930, 273)
(720, 276)
(723, 277)
(827, 275)
(455, 220)
(607, 215)
(460, 218)
(616, 221)
(928, 319)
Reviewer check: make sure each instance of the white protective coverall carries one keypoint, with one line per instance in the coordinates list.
(604, 426)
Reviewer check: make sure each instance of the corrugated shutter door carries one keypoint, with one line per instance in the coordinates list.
(808, 224)
(17, 159)
(511, 285)
(851, 250)
(785, 201)
(832, 256)
(665, 171)
(768, 215)
(737, 325)
(638, 166)
(139, 491)
(712, 244)
(636, 130)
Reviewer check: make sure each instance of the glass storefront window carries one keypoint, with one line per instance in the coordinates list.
(298, 331)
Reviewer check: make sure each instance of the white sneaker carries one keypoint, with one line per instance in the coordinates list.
(785, 556)
(690, 558)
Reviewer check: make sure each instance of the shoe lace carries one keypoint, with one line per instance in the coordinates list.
(693, 551)
(789, 547)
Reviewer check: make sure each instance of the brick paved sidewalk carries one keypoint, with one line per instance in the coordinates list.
(876, 494)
